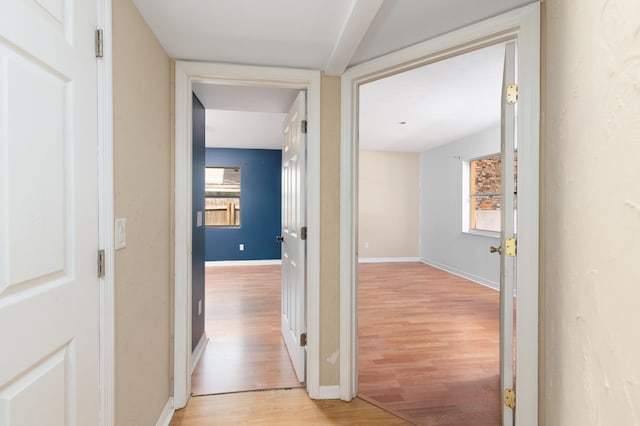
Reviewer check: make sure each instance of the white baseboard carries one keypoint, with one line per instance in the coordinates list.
(387, 259)
(471, 277)
(329, 392)
(243, 262)
(167, 413)
(197, 352)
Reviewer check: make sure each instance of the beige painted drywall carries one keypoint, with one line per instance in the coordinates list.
(142, 165)
(389, 203)
(330, 231)
(591, 216)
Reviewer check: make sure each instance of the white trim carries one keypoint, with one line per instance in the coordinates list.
(196, 355)
(309, 80)
(522, 24)
(243, 262)
(387, 259)
(167, 413)
(462, 274)
(329, 392)
(106, 216)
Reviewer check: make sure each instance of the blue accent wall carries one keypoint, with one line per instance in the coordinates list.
(197, 239)
(260, 206)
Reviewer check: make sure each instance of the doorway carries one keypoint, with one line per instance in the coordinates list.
(521, 26)
(428, 286)
(237, 156)
(188, 73)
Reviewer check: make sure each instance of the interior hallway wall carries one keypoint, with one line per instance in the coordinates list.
(142, 178)
(591, 213)
(330, 231)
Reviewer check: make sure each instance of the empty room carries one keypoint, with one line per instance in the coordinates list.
(429, 222)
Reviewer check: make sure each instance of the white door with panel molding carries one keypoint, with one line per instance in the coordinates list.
(507, 249)
(293, 300)
(49, 299)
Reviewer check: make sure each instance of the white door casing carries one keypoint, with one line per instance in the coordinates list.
(293, 298)
(507, 230)
(523, 26)
(49, 292)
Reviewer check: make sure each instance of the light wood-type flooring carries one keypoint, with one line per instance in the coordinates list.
(242, 320)
(429, 345)
(280, 407)
(428, 351)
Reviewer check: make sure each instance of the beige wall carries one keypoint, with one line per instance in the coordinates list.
(330, 231)
(142, 165)
(591, 213)
(389, 203)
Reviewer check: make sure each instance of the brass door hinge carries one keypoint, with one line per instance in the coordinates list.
(303, 339)
(512, 93)
(510, 398)
(510, 245)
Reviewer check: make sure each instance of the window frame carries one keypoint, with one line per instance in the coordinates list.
(239, 197)
(467, 196)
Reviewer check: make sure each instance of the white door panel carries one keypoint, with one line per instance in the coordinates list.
(293, 246)
(507, 263)
(49, 302)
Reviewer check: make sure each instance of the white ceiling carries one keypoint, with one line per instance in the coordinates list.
(246, 117)
(432, 105)
(318, 34)
(438, 103)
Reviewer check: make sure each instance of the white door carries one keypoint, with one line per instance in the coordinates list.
(293, 241)
(49, 302)
(508, 232)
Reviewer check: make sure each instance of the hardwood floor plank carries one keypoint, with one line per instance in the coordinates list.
(428, 351)
(281, 407)
(428, 345)
(242, 320)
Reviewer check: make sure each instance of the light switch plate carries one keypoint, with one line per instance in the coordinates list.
(121, 233)
(198, 219)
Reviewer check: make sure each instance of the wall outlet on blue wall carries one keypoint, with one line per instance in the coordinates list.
(241, 247)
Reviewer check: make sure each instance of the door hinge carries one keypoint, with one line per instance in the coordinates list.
(510, 398)
(101, 265)
(99, 43)
(303, 339)
(303, 233)
(512, 93)
(511, 246)
(303, 126)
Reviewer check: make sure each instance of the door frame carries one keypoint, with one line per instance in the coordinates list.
(186, 73)
(106, 215)
(523, 26)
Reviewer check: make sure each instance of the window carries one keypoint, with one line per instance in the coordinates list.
(485, 193)
(222, 196)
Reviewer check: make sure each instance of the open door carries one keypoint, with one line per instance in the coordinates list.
(508, 240)
(49, 285)
(293, 235)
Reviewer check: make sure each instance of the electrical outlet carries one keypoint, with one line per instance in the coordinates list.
(366, 244)
(200, 307)
(241, 247)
